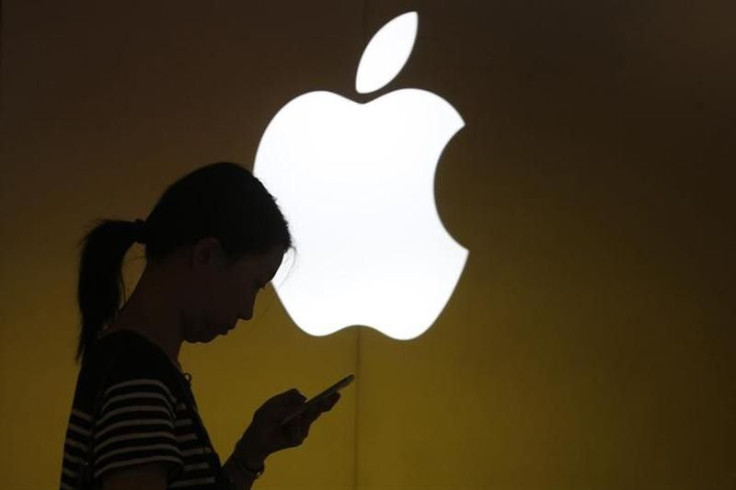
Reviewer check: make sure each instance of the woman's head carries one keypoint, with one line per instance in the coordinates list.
(219, 213)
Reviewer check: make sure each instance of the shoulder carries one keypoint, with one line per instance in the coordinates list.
(123, 362)
(128, 351)
(137, 393)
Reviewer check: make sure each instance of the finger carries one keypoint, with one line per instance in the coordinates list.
(307, 420)
(331, 401)
(310, 416)
(305, 428)
(295, 432)
(313, 413)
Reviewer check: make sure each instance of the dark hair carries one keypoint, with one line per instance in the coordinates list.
(221, 200)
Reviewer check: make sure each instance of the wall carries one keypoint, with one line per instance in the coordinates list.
(590, 341)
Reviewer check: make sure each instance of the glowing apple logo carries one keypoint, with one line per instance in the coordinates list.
(356, 183)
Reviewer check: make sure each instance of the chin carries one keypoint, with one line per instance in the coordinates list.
(208, 337)
(205, 335)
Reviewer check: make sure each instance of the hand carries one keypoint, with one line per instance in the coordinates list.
(266, 435)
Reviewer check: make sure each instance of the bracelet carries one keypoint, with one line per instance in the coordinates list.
(254, 474)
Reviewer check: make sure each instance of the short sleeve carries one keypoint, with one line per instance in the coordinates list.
(136, 425)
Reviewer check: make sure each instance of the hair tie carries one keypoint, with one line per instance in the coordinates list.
(140, 231)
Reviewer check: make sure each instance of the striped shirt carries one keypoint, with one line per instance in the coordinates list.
(146, 413)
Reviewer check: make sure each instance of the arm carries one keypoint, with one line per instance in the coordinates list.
(135, 446)
(240, 480)
(243, 467)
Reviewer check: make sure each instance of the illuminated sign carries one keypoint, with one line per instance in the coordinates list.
(356, 183)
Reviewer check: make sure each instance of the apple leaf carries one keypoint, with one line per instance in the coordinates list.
(386, 53)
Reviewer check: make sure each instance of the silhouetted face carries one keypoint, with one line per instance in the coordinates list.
(228, 292)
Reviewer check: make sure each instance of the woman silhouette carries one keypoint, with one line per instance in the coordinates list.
(214, 239)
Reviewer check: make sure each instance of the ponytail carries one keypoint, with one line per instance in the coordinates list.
(100, 277)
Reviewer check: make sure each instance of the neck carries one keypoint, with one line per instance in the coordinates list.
(152, 311)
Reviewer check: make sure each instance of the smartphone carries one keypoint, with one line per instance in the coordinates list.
(316, 399)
